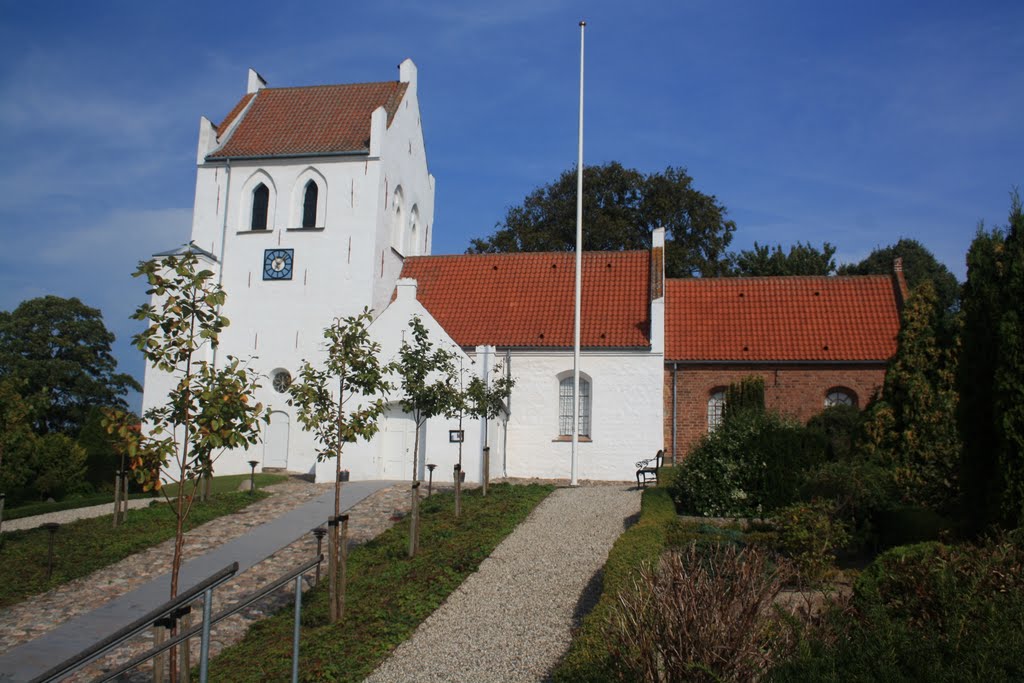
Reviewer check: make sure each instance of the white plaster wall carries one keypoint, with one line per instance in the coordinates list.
(626, 414)
(364, 459)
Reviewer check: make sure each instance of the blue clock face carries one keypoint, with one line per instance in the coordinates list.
(277, 264)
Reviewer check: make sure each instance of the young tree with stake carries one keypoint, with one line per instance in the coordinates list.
(345, 414)
(209, 408)
(429, 388)
(484, 398)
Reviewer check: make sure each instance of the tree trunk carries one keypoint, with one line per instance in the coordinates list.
(487, 469)
(117, 499)
(342, 567)
(159, 636)
(184, 660)
(332, 569)
(414, 521)
(124, 499)
(458, 492)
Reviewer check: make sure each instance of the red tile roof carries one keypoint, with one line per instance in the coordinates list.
(318, 119)
(527, 299)
(781, 319)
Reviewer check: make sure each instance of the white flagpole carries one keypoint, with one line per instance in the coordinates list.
(573, 481)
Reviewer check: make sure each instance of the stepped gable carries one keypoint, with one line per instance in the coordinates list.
(760, 319)
(526, 299)
(321, 119)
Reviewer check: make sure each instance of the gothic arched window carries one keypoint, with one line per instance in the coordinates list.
(309, 205)
(260, 205)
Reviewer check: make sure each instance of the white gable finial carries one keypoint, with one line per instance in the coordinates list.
(256, 82)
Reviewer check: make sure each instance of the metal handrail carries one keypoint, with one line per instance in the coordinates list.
(223, 614)
(100, 648)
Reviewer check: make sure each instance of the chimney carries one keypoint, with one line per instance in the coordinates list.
(405, 289)
(256, 82)
(657, 303)
(899, 282)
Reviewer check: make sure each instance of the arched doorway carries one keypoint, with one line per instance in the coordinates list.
(275, 441)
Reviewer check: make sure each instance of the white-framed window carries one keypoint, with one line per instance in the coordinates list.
(840, 396)
(257, 203)
(565, 406)
(716, 408)
(309, 200)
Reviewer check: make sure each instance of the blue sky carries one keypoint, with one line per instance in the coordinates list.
(855, 123)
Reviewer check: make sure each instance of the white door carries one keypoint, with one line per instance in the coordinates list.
(275, 441)
(398, 438)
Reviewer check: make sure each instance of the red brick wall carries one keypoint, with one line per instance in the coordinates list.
(794, 390)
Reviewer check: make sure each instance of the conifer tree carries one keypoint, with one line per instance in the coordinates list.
(913, 429)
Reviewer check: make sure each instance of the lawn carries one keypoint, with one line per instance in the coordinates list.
(388, 595)
(86, 545)
(225, 484)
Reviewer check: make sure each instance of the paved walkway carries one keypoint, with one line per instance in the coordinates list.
(513, 619)
(65, 516)
(246, 537)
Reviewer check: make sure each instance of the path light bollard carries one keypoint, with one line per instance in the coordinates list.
(52, 528)
(430, 478)
(487, 468)
(3, 497)
(342, 566)
(252, 476)
(319, 532)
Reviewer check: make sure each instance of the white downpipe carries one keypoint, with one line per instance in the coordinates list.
(573, 479)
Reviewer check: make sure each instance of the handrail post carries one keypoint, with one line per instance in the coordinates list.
(298, 629)
(204, 642)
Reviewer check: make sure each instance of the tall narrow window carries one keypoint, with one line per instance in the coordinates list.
(309, 205)
(716, 409)
(260, 203)
(565, 407)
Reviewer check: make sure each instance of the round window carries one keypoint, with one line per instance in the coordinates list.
(282, 380)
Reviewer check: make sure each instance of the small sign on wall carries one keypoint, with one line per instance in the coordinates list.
(456, 435)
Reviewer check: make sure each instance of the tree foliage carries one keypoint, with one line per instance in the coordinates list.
(919, 264)
(60, 348)
(209, 409)
(801, 259)
(429, 386)
(912, 429)
(621, 206)
(991, 377)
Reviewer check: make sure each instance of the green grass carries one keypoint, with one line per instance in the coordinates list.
(225, 484)
(84, 546)
(388, 595)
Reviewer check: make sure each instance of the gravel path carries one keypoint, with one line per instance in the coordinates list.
(65, 516)
(512, 620)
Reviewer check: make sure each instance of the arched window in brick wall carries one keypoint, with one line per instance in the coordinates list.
(840, 396)
(716, 408)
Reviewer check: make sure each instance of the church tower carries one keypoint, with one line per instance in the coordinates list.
(308, 200)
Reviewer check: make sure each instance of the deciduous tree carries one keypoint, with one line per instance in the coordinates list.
(341, 402)
(60, 348)
(429, 385)
(801, 259)
(621, 206)
(208, 410)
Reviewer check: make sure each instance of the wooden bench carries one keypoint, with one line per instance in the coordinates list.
(646, 471)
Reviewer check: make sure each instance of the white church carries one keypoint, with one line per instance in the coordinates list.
(315, 202)
(312, 203)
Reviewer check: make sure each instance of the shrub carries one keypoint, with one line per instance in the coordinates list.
(861, 491)
(837, 426)
(751, 464)
(809, 535)
(589, 659)
(927, 612)
(702, 615)
(58, 467)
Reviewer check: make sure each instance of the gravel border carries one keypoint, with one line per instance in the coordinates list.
(513, 619)
(65, 516)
